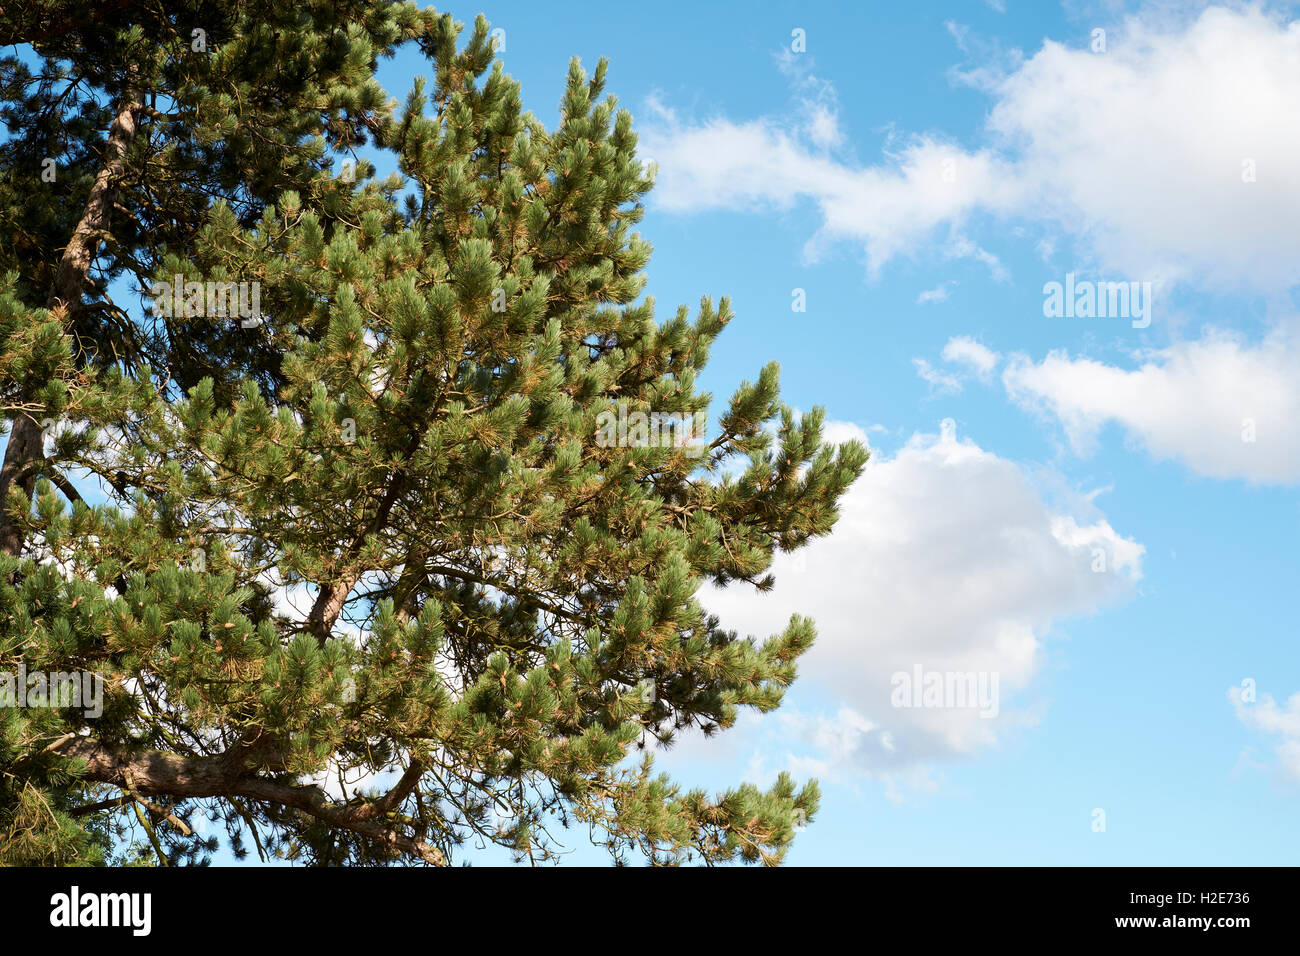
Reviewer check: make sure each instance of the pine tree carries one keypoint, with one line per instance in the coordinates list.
(499, 610)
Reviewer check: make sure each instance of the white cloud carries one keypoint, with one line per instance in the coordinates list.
(836, 432)
(940, 382)
(1141, 149)
(1222, 407)
(946, 557)
(937, 294)
(720, 164)
(1138, 152)
(818, 100)
(1267, 717)
(824, 127)
(963, 350)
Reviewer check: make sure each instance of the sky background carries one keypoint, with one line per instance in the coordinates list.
(1103, 516)
(921, 171)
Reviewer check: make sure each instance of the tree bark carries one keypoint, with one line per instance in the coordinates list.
(26, 444)
(333, 595)
(154, 773)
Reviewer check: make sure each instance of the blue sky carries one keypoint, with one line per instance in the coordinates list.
(1099, 512)
(921, 171)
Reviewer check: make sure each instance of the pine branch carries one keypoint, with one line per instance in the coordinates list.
(154, 773)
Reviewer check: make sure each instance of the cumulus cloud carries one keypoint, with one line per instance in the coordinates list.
(970, 356)
(1167, 157)
(837, 432)
(1268, 717)
(1221, 406)
(1145, 149)
(964, 350)
(946, 558)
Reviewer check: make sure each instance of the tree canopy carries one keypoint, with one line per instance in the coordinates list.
(361, 581)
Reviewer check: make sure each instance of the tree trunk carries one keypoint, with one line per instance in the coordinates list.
(26, 447)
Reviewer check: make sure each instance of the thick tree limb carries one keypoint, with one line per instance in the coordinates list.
(334, 594)
(26, 448)
(154, 773)
(26, 441)
(393, 798)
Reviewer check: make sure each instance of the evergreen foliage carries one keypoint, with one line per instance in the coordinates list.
(499, 612)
